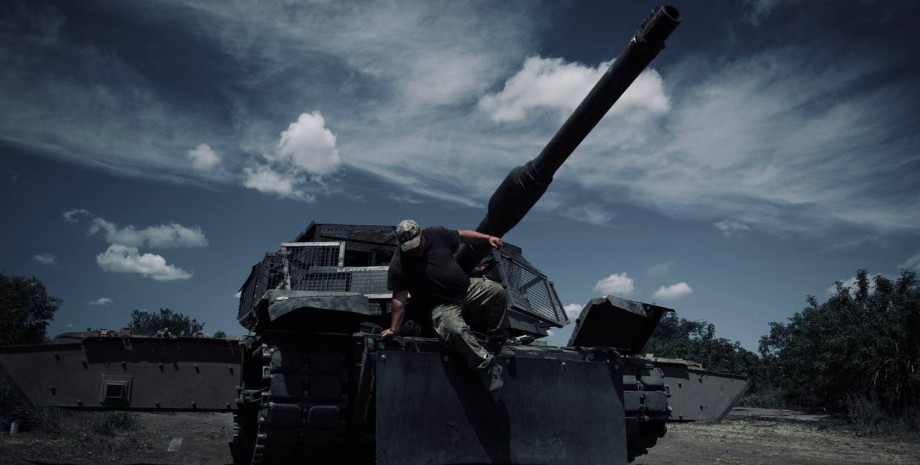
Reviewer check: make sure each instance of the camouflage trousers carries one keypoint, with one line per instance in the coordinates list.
(483, 306)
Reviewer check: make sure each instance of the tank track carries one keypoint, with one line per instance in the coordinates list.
(645, 399)
(293, 403)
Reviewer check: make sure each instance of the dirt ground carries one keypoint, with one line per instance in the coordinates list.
(771, 442)
(201, 439)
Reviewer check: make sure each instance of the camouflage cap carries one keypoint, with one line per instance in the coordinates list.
(408, 234)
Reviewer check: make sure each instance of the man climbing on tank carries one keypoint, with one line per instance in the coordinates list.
(424, 266)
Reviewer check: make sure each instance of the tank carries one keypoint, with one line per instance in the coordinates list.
(315, 383)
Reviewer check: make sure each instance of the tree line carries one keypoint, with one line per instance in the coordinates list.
(859, 347)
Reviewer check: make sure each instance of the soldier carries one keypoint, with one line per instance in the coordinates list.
(424, 266)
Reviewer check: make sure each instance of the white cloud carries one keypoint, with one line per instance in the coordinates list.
(203, 157)
(619, 284)
(267, 181)
(123, 259)
(551, 84)
(730, 228)
(912, 263)
(573, 310)
(306, 152)
(238, 294)
(310, 146)
(162, 236)
(660, 270)
(102, 301)
(45, 259)
(674, 291)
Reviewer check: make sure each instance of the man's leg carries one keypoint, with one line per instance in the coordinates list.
(455, 333)
(485, 303)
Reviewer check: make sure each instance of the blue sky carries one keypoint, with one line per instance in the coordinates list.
(151, 152)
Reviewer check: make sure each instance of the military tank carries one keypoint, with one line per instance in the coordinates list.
(314, 383)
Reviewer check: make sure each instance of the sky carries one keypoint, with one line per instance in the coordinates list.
(152, 152)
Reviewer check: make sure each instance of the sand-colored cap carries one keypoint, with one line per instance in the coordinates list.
(409, 235)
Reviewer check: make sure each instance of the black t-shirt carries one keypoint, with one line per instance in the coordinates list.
(434, 277)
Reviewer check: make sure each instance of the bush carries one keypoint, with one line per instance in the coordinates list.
(868, 419)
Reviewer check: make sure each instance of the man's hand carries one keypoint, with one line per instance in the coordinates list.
(387, 334)
(476, 239)
(495, 242)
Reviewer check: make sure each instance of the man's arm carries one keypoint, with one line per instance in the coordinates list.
(397, 312)
(471, 237)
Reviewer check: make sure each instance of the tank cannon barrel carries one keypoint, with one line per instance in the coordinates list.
(525, 184)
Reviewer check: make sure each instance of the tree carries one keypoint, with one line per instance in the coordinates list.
(862, 344)
(695, 340)
(25, 310)
(149, 323)
(219, 334)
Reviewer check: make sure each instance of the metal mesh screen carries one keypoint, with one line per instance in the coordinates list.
(365, 238)
(313, 266)
(265, 275)
(529, 291)
(526, 323)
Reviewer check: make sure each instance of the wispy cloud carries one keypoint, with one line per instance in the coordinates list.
(674, 291)
(102, 301)
(756, 11)
(123, 259)
(730, 228)
(551, 84)
(409, 199)
(592, 213)
(660, 270)
(912, 263)
(875, 240)
(619, 284)
(45, 259)
(781, 140)
(160, 236)
(8, 175)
